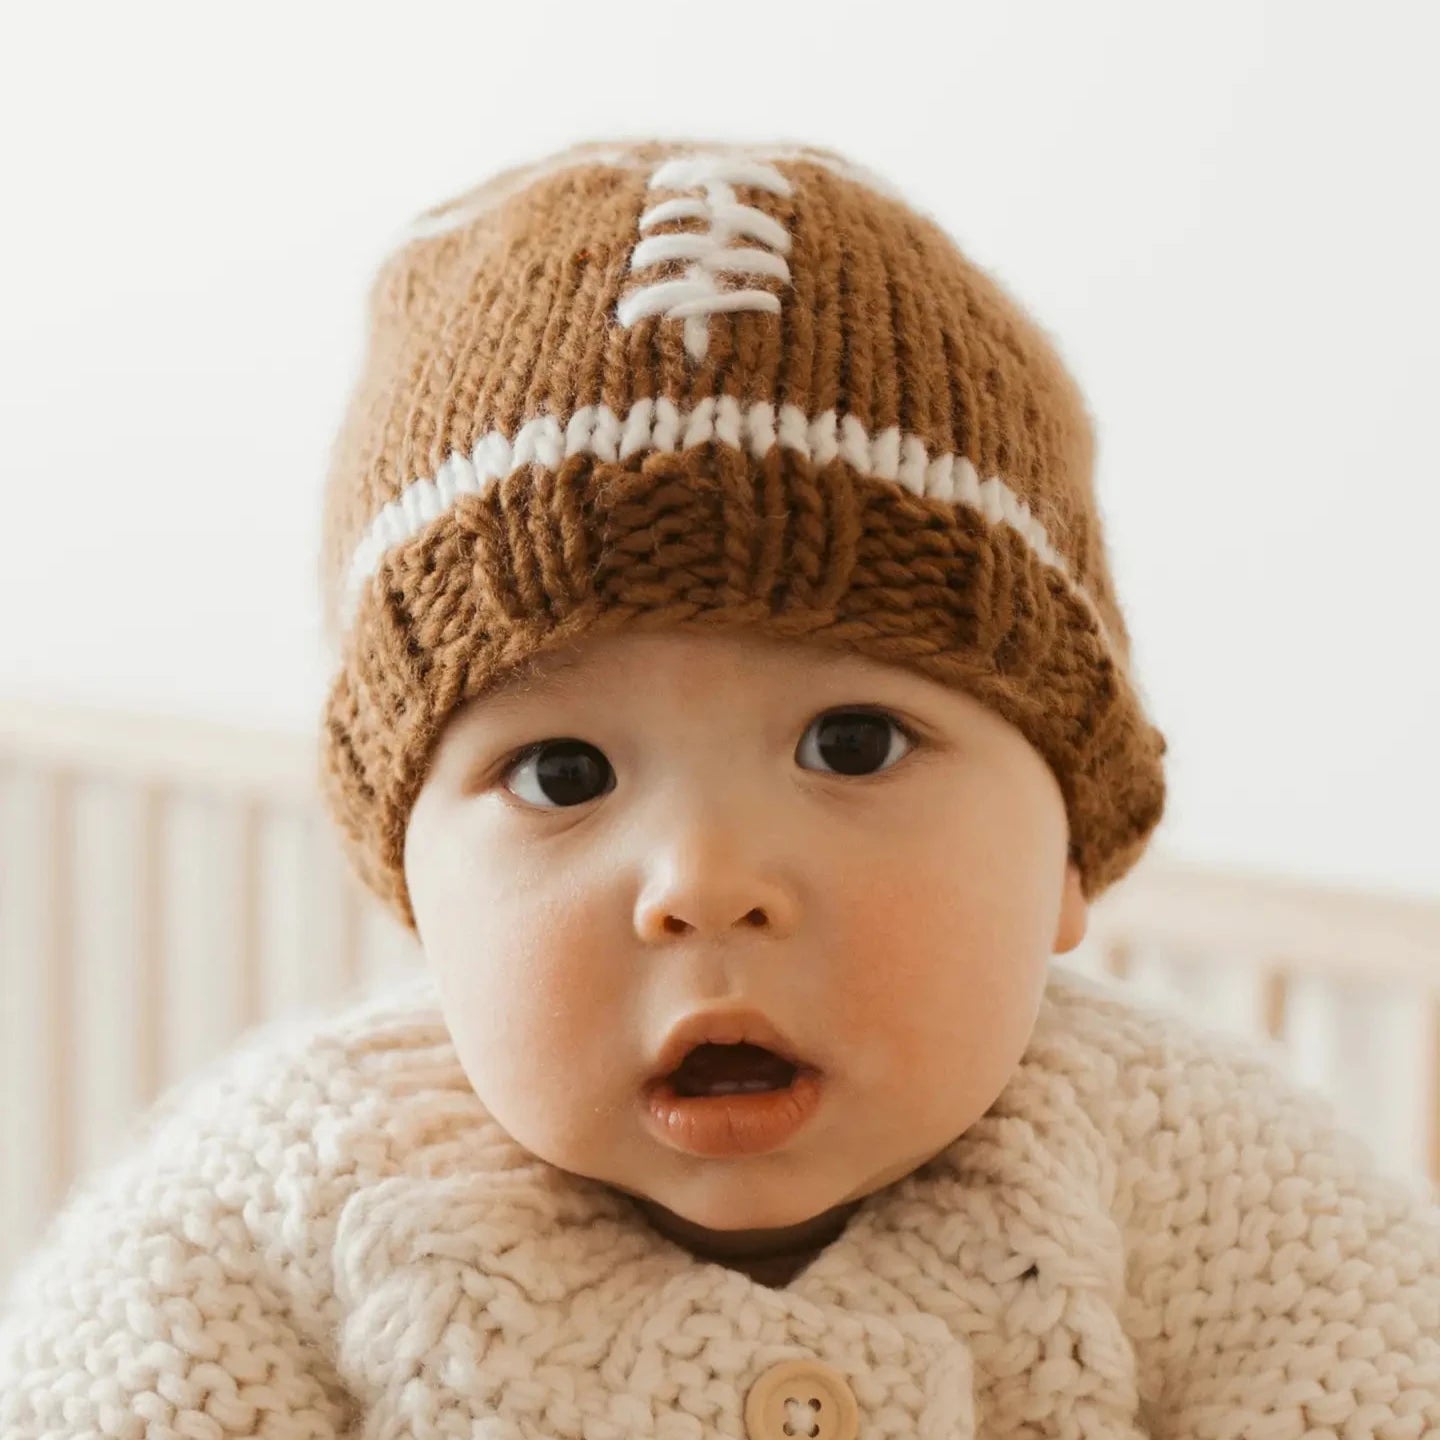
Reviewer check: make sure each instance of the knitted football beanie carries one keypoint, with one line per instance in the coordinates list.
(670, 384)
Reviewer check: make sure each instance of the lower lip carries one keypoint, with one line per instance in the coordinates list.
(738, 1124)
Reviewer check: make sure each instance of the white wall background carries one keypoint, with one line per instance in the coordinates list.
(1226, 214)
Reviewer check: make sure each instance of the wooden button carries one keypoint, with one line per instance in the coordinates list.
(801, 1400)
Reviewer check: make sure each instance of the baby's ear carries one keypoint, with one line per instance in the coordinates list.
(1074, 912)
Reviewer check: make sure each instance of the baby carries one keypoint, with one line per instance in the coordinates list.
(722, 838)
(732, 696)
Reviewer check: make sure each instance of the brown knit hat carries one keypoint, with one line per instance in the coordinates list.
(681, 384)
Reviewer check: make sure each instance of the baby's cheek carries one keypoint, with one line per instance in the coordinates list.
(565, 1005)
(929, 983)
(893, 933)
(884, 1008)
(517, 1053)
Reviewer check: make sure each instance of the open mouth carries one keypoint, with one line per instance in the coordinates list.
(728, 1099)
(740, 1069)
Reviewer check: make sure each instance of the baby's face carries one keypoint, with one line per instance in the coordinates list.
(729, 832)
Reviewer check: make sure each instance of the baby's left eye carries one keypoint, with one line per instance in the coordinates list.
(856, 742)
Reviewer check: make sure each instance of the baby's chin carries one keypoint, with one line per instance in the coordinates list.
(757, 1205)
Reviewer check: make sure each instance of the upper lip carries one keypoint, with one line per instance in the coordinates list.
(729, 1026)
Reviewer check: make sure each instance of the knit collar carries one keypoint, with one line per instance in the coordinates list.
(945, 1289)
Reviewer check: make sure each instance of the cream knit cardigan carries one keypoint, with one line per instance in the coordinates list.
(1150, 1233)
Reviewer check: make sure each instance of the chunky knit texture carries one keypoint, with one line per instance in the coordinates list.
(688, 385)
(1150, 1233)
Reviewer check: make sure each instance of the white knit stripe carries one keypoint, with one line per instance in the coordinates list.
(428, 226)
(659, 425)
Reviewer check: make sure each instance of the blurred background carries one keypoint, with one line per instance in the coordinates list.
(1220, 213)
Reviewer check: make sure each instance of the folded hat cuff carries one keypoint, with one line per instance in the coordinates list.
(711, 536)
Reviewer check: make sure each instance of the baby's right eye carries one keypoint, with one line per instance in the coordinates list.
(566, 772)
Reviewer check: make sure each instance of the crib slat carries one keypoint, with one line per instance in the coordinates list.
(287, 964)
(103, 1024)
(332, 913)
(205, 987)
(59, 960)
(1434, 1117)
(37, 1100)
(249, 981)
(387, 949)
(1118, 955)
(21, 1057)
(1275, 989)
(352, 922)
(149, 953)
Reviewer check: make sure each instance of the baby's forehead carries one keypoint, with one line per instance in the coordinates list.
(729, 656)
(611, 671)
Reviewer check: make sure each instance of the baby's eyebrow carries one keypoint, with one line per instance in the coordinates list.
(552, 674)
(529, 678)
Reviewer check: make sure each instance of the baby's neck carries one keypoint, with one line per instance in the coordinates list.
(761, 1254)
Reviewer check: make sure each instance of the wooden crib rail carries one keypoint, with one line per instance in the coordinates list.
(165, 751)
(166, 883)
(1343, 932)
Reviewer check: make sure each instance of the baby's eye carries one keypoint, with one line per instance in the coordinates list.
(562, 773)
(567, 772)
(856, 741)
